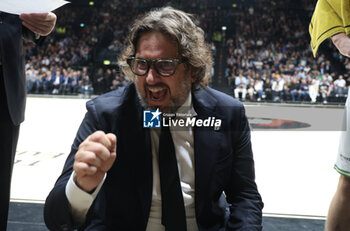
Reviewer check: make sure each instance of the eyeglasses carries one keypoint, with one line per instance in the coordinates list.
(163, 66)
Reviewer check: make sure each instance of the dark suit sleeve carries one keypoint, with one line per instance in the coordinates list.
(57, 209)
(30, 36)
(242, 194)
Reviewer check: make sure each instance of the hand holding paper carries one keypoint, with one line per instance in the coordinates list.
(32, 6)
(40, 23)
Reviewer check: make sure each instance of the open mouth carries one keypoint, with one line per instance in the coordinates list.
(157, 93)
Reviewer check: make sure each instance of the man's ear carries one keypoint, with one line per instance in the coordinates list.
(192, 70)
(193, 79)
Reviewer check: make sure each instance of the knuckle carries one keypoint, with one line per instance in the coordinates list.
(98, 149)
(77, 156)
(90, 157)
(99, 135)
(78, 168)
(83, 144)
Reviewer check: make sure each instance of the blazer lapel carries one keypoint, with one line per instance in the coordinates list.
(206, 146)
(145, 183)
(140, 161)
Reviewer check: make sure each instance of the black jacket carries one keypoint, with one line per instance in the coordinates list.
(12, 34)
(223, 164)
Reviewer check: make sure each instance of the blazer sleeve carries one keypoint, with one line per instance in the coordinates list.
(242, 193)
(57, 213)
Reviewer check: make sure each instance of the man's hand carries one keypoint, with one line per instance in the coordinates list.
(94, 158)
(342, 43)
(40, 23)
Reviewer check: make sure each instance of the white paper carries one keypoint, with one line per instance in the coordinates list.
(30, 6)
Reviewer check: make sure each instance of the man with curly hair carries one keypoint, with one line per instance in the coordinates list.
(121, 175)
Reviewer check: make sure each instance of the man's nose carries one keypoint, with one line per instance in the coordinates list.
(152, 76)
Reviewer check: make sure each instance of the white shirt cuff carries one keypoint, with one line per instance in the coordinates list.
(79, 200)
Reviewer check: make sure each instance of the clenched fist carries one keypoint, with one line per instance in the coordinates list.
(93, 159)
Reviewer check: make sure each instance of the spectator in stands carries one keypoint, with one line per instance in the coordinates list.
(286, 84)
(294, 89)
(84, 72)
(86, 88)
(66, 85)
(250, 88)
(313, 89)
(328, 77)
(277, 87)
(325, 90)
(304, 90)
(267, 87)
(240, 86)
(340, 88)
(117, 82)
(32, 78)
(56, 82)
(45, 82)
(75, 83)
(37, 84)
(258, 87)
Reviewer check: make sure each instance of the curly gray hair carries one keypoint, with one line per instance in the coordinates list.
(180, 27)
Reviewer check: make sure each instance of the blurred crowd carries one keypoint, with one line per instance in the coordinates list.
(266, 49)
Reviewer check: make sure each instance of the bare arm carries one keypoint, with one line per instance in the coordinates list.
(342, 43)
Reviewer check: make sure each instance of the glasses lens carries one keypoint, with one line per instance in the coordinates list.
(166, 67)
(139, 66)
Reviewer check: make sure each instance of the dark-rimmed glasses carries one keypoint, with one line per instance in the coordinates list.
(164, 66)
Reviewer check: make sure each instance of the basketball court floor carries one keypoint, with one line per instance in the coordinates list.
(294, 147)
